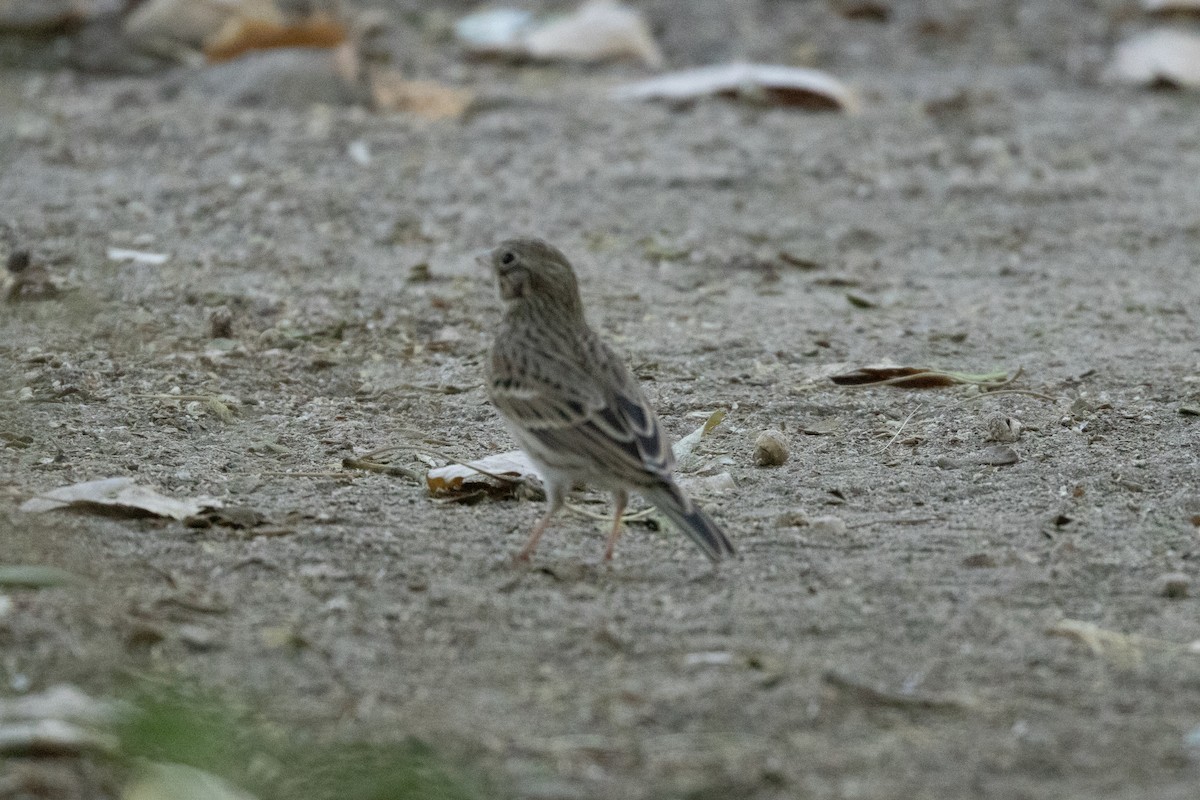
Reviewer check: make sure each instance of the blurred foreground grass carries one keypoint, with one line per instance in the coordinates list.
(269, 761)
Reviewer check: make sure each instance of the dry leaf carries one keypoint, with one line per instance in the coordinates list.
(162, 781)
(1171, 6)
(193, 22)
(917, 377)
(498, 474)
(501, 474)
(596, 31)
(495, 31)
(240, 35)
(118, 496)
(137, 256)
(391, 92)
(24, 280)
(683, 448)
(41, 16)
(1000, 455)
(61, 721)
(768, 83)
(33, 576)
(1163, 57)
(1122, 650)
(720, 483)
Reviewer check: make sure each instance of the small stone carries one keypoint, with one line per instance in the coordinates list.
(220, 323)
(792, 519)
(828, 526)
(1174, 585)
(198, 637)
(143, 635)
(1003, 429)
(979, 561)
(771, 449)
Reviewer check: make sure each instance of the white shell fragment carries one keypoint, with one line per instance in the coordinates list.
(1163, 56)
(137, 256)
(596, 31)
(496, 30)
(118, 495)
(770, 83)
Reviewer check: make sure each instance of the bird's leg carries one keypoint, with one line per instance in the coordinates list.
(555, 497)
(621, 497)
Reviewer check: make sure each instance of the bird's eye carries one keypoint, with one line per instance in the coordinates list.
(507, 258)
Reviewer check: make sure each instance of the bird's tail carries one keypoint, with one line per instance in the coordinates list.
(689, 518)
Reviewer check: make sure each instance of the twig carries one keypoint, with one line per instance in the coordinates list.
(873, 695)
(188, 397)
(631, 517)
(386, 469)
(282, 474)
(953, 377)
(899, 430)
(1027, 392)
(893, 521)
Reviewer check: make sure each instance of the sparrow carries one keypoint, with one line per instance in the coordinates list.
(572, 405)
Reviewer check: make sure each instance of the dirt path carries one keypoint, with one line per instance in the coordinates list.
(885, 634)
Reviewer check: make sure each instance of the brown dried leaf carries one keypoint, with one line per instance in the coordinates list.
(391, 92)
(769, 83)
(1170, 7)
(192, 22)
(916, 377)
(240, 35)
(25, 280)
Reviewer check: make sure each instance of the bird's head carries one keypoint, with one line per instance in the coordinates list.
(534, 273)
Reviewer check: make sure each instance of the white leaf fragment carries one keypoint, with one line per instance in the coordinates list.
(461, 478)
(167, 781)
(597, 30)
(775, 84)
(1159, 56)
(137, 256)
(121, 495)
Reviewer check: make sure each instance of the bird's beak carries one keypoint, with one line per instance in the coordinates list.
(484, 259)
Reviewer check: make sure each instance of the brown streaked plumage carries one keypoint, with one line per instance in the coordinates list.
(572, 405)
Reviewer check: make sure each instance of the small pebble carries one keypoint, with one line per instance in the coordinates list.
(792, 519)
(771, 449)
(220, 323)
(979, 561)
(1003, 429)
(828, 526)
(198, 638)
(1175, 585)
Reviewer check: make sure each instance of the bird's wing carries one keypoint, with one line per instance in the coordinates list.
(579, 420)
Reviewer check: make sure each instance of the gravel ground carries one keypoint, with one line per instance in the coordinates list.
(906, 620)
